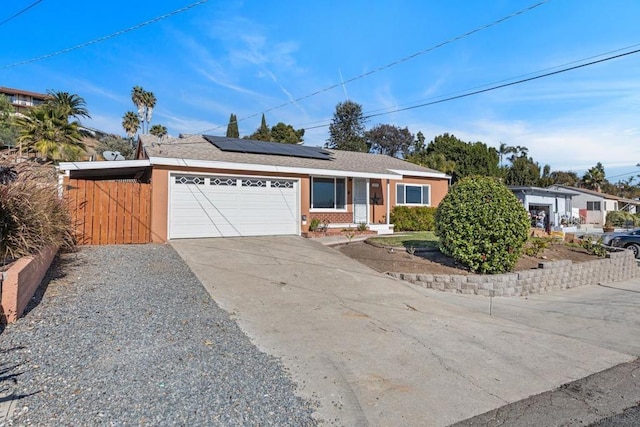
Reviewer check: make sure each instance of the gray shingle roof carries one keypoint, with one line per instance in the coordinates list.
(195, 147)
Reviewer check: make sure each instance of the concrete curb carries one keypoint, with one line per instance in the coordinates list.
(7, 405)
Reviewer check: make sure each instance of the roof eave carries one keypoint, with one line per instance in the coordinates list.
(118, 164)
(211, 164)
(425, 174)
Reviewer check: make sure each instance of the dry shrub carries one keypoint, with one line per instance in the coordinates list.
(32, 217)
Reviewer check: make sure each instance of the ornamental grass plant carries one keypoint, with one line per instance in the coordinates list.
(32, 215)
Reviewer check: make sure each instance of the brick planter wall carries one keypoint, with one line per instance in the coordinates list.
(21, 281)
(333, 217)
(550, 275)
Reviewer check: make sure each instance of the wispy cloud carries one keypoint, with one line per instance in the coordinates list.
(186, 125)
(106, 123)
(83, 87)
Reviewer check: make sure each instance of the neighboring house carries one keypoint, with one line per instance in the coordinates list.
(547, 207)
(594, 205)
(22, 100)
(208, 186)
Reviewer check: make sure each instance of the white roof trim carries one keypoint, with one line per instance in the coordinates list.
(420, 173)
(116, 164)
(166, 161)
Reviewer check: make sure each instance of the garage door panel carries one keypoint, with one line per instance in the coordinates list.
(206, 210)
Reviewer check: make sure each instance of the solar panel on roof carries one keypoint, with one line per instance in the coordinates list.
(271, 148)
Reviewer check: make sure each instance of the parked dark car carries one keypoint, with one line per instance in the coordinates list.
(607, 237)
(629, 240)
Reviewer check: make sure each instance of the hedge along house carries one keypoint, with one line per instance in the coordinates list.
(208, 186)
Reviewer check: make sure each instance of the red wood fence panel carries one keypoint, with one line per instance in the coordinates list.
(109, 212)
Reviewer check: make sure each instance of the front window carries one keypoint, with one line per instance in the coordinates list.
(593, 206)
(328, 193)
(411, 194)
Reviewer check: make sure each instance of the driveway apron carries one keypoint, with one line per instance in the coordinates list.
(373, 350)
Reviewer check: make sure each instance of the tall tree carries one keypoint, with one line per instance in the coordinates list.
(436, 161)
(158, 130)
(137, 96)
(390, 140)
(145, 102)
(149, 104)
(545, 179)
(346, 131)
(69, 103)
(263, 133)
(594, 178)
(523, 171)
(504, 150)
(470, 158)
(130, 123)
(232, 127)
(569, 178)
(286, 134)
(48, 130)
(115, 143)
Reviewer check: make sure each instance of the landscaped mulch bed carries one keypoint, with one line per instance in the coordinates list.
(434, 262)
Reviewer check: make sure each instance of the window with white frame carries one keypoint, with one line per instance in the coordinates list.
(593, 206)
(413, 194)
(328, 193)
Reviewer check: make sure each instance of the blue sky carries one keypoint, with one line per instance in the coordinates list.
(246, 57)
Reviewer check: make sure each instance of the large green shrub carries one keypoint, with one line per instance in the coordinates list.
(420, 218)
(622, 219)
(482, 224)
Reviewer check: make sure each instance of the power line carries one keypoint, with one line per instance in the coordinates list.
(20, 13)
(391, 64)
(110, 36)
(464, 95)
(555, 67)
(476, 92)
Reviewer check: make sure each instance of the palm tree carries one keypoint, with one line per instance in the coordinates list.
(149, 103)
(71, 104)
(594, 177)
(130, 124)
(158, 130)
(145, 102)
(137, 96)
(505, 149)
(48, 130)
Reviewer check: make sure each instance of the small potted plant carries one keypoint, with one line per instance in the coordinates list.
(608, 227)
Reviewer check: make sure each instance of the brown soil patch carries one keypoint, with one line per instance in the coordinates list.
(434, 262)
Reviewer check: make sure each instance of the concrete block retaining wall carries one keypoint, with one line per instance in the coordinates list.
(550, 275)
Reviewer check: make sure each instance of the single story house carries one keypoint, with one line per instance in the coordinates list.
(547, 207)
(594, 205)
(209, 186)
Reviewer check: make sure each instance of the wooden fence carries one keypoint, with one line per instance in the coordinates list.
(109, 212)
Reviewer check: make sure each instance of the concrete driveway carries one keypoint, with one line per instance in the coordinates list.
(376, 351)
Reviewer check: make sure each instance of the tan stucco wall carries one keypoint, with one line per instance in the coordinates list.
(159, 204)
(378, 212)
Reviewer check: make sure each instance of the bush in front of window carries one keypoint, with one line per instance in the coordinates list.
(482, 224)
(419, 218)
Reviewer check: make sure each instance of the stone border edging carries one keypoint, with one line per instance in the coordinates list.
(399, 248)
(19, 283)
(550, 275)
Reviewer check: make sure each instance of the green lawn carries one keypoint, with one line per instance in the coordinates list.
(418, 239)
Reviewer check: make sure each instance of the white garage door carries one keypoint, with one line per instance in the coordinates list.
(222, 206)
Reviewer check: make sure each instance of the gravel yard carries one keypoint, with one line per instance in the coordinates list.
(127, 335)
